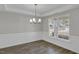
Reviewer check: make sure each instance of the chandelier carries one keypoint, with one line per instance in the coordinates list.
(35, 19)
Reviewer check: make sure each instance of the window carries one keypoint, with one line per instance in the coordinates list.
(59, 27)
(51, 27)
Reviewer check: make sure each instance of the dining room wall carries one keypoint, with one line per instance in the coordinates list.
(17, 23)
(73, 42)
(16, 29)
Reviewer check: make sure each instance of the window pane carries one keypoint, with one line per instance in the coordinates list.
(63, 27)
(51, 27)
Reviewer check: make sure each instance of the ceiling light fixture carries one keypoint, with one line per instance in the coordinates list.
(35, 20)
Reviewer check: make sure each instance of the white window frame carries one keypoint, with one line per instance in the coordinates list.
(55, 27)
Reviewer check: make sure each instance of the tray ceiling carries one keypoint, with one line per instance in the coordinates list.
(42, 9)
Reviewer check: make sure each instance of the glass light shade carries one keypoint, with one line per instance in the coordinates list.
(34, 20)
(39, 21)
(31, 20)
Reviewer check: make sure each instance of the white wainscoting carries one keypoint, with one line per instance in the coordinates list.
(7, 40)
(71, 44)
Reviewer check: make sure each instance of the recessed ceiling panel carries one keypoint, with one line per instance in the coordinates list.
(42, 9)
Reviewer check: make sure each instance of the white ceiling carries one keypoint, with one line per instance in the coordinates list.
(42, 9)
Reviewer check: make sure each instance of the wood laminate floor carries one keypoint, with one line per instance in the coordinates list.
(37, 47)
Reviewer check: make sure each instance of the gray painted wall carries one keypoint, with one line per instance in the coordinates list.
(15, 29)
(17, 23)
(74, 29)
(73, 42)
(74, 21)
